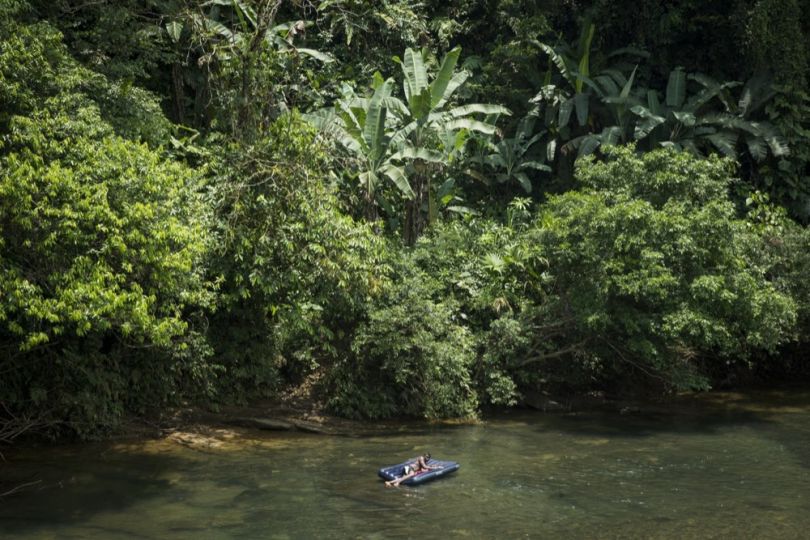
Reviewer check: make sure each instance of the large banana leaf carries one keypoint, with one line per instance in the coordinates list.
(419, 105)
(724, 141)
(415, 75)
(756, 92)
(326, 58)
(648, 123)
(676, 88)
(524, 181)
(756, 147)
(584, 61)
(628, 85)
(398, 177)
(351, 123)
(536, 165)
(711, 89)
(478, 108)
(455, 81)
(472, 125)
(566, 108)
(374, 128)
(581, 103)
(439, 86)
(686, 118)
(558, 61)
(399, 138)
(412, 152)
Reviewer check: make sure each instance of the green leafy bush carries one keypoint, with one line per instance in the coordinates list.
(649, 265)
(411, 357)
(101, 249)
(35, 67)
(102, 244)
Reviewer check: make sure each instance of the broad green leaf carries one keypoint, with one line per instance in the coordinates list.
(756, 147)
(588, 145)
(536, 165)
(419, 105)
(411, 152)
(778, 145)
(610, 135)
(558, 61)
(581, 102)
(524, 181)
(397, 175)
(608, 85)
(566, 108)
(446, 188)
(551, 150)
(351, 123)
(442, 81)
(472, 125)
(317, 55)
(686, 118)
(627, 87)
(457, 80)
(462, 210)
(415, 75)
(396, 106)
(219, 29)
(478, 108)
(724, 141)
(676, 88)
(649, 122)
(584, 62)
(374, 128)
(174, 29)
(653, 103)
(402, 134)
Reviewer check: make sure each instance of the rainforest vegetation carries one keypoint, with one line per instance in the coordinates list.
(420, 208)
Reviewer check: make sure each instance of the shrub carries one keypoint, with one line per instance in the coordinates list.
(411, 357)
(649, 263)
(101, 249)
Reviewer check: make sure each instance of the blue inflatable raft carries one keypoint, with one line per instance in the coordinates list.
(395, 471)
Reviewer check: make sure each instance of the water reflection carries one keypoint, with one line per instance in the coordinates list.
(716, 467)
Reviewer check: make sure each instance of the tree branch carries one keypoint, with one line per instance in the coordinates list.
(556, 354)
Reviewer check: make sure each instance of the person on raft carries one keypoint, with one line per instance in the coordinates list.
(412, 469)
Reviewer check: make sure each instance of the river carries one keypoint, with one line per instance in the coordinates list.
(721, 466)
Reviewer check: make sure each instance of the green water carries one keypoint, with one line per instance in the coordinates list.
(735, 467)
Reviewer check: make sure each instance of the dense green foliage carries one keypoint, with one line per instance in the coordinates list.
(206, 202)
(296, 272)
(102, 247)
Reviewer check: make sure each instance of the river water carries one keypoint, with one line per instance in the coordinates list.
(722, 466)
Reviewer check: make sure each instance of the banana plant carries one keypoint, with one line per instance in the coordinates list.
(616, 97)
(361, 126)
(708, 119)
(427, 119)
(409, 142)
(574, 68)
(510, 158)
(573, 90)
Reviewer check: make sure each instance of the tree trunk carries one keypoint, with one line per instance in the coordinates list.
(414, 220)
